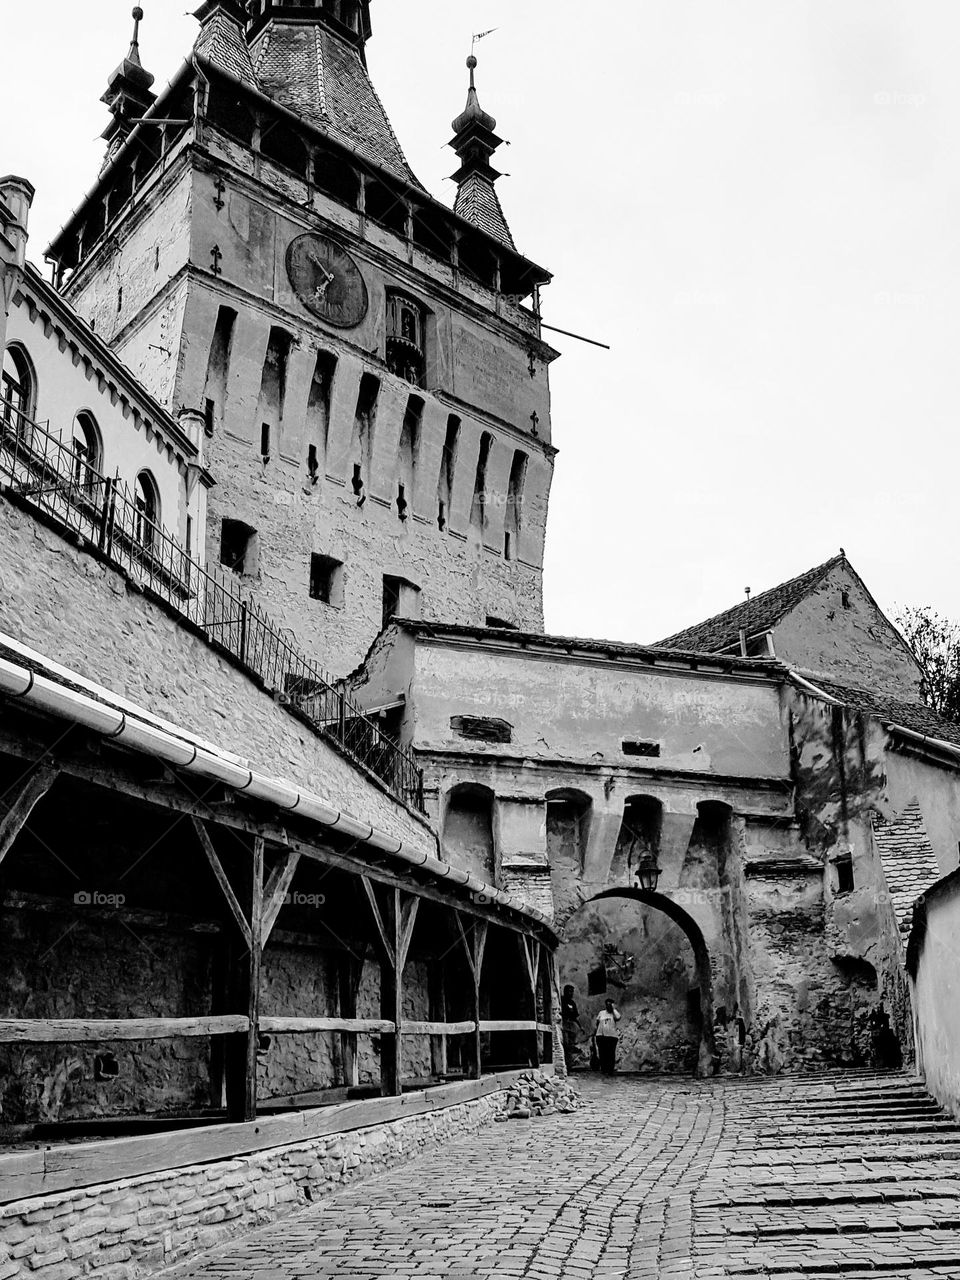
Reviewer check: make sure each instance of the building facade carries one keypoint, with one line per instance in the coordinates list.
(369, 364)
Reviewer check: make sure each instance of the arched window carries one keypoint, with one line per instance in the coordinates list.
(146, 500)
(468, 830)
(87, 450)
(18, 389)
(406, 339)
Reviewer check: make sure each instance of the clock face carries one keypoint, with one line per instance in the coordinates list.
(327, 280)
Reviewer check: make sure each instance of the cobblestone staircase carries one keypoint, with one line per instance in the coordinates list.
(850, 1175)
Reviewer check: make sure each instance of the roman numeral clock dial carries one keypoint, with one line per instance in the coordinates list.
(327, 281)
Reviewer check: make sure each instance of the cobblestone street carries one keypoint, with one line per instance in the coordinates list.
(849, 1175)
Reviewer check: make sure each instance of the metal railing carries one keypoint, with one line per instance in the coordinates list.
(48, 474)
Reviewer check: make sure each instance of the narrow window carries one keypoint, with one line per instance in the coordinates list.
(239, 548)
(318, 409)
(313, 464)
(500, 624)
(273, 387)
(18, 389)
(218, 367)
(146, 502)
(478, 512)
(363, 428)
(845, 880)
(326, 579)
(87, 451)
(409, 454)
(448, 464)
(511, 533)
(265, 441)
(632, 747)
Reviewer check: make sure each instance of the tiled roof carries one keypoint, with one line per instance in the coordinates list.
(319, 76)
(477, 202)
(910, 715)
(754, 616)
(222, 43)
(909, 863)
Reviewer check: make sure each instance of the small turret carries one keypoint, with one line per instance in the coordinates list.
(475, 142)
(128, 93)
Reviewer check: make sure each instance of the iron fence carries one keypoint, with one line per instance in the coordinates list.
(58, 480)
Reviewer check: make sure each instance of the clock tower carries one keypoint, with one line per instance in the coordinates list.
(368, 361)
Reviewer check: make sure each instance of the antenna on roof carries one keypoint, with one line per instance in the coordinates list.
(748, 592)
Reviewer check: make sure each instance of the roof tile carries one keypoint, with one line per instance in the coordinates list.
(754, 616)
(909, 863)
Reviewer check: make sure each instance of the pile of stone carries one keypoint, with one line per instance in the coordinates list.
(536, 1094)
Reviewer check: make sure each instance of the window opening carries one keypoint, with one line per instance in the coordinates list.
(406, 339)
(326, 579)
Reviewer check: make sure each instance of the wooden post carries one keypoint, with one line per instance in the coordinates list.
(549, 971)
(394, 932)
(531, 955)
(437, 995)
(242, 987)
(349, 977)
(474, 946)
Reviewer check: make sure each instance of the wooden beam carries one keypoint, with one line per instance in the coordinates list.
(509, 1024)
(235, 818)
(474, 947)
(226, 888)
(387, 940)
(19, 809)
(531, 955)
(408, 921)
(276, 890)
(439, 1029)
(299, 1026)
(102, 1031)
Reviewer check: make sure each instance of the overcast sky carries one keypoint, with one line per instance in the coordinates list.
(756, 202)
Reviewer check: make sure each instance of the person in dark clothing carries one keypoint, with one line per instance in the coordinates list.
(570, 1020)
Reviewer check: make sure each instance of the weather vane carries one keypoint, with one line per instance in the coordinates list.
(481, 35)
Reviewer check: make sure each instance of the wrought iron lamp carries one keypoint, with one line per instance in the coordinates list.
(647, 873)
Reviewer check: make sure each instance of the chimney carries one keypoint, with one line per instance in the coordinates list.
(16, 197)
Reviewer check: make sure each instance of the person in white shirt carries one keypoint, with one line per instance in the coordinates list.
(606, 1037)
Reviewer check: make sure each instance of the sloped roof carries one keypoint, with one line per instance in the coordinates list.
(477, 202)
(909, 863)
(310, 70)
(910, 715)
(754, 616)
(222, 42)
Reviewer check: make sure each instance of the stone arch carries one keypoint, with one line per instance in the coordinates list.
(706, 1055)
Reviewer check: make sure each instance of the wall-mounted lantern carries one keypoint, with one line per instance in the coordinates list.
(647, 873)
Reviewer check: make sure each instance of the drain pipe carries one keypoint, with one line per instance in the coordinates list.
(208, 762)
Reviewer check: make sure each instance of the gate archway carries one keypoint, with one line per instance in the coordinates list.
(649, 955)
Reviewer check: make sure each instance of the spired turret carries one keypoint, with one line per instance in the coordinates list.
(128, 93)
(475, 142)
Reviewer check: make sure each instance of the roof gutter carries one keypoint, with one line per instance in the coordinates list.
(209, 762)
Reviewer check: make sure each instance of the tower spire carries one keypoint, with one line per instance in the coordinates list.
(128, 92)
(475, 141)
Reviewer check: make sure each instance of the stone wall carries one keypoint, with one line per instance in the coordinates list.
(87, 616)
(58, 966)
(125, 1229)
(934, 964)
